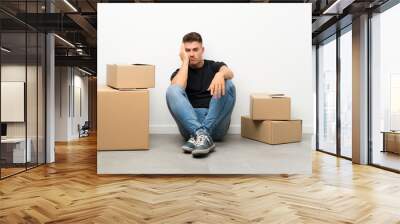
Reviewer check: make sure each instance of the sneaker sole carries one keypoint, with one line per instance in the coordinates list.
(187, 150)
(203, 152)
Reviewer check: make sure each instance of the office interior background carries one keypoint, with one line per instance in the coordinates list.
(51, 46)
(48, 79)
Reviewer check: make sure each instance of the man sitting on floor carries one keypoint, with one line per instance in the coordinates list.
(200, 98)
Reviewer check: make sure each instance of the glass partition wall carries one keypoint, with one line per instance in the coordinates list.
(334, 90)
(334, 85)
(346, 94)
(327, 95)
(22, 77)
(385, 89)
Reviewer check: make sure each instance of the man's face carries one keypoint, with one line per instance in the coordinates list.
(195, 52)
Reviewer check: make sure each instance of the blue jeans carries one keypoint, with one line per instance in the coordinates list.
(215, 119)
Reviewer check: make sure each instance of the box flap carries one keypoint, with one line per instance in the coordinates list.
(267, 95)
(141, 64)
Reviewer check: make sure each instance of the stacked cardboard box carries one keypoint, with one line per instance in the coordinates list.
(123, 108)
(136, 76)
(270, 120)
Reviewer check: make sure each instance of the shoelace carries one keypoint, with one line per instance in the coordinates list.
(200, 139)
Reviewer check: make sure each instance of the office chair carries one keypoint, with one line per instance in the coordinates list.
(84, 130)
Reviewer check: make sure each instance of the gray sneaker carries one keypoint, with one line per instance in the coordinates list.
(204, 145)
(189, 146)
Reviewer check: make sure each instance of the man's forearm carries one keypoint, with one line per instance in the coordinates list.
(226, 73)
(182, 75)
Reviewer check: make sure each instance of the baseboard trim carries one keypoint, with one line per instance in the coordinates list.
(233, 129)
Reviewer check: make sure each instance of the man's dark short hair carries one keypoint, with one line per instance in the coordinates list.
(191, 37)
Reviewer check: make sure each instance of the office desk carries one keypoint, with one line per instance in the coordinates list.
(17, 150)
(391, 141)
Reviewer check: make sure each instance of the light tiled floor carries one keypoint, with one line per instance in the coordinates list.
(235, 155)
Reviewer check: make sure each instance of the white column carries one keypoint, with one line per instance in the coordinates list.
(50, 82)
(360, 90)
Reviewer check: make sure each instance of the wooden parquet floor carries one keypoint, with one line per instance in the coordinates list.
(70, 191)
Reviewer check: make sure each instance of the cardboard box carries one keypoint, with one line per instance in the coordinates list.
(122, 119)
(266, 107)
(136, 76)
(392, 142)
(271, 132)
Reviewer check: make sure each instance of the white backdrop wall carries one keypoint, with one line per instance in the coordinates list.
(66, 121)
(268, 47)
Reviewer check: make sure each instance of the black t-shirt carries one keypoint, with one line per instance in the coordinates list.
(199, 80)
